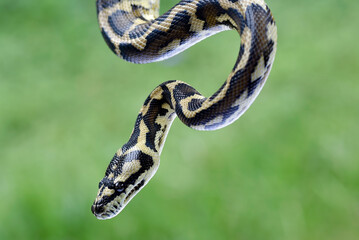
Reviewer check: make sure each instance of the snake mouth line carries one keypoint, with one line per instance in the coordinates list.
(133, 191)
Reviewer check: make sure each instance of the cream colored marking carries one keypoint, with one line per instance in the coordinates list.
(246, 38)
(117, 50)
(119, 151)
(136, 22)
(241, 5)
(128, 169)
(240, 100)
(165, 122)
(226, 4)
(172, 86)
(185, 102)
(155, 94)
(152, 7)
(259, 70)
(218, 119)
(141, 143)
(172, 45)
(272, 30)
(111, 175)
(225, 17)
(261, 3)
(272, 35)
(105, 192)
(139, 43)
(98, 194)
(143, 131)
(196, 24)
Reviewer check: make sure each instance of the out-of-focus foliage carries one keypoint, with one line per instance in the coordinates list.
(288, 169)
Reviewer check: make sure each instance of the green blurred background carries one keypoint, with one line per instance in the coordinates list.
(287, 169)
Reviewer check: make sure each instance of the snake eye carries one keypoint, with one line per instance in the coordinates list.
(119, 186)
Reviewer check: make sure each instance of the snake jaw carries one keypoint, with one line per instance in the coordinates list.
(104, 212)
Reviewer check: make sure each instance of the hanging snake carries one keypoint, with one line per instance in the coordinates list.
(134, 31)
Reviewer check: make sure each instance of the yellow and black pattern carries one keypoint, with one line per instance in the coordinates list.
(134, 31)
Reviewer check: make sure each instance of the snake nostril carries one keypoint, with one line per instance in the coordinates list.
(96, 209)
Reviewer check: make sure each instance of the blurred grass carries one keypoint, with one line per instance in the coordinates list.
(288, 169)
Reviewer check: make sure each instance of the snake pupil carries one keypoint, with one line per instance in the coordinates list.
(119, 186)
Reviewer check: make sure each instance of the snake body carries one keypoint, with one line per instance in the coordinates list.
(134, 31)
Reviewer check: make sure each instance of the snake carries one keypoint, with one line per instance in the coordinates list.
(136, 32)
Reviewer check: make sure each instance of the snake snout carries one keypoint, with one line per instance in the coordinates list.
(96, 209)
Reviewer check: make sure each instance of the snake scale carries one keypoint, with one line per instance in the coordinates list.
(134, 31)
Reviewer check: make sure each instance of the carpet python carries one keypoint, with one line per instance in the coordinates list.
(134, 31)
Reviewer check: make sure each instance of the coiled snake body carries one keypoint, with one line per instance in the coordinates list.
(134, 31)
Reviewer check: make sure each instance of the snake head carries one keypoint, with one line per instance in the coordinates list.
(125, 176)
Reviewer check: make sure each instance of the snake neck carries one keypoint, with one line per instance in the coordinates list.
(153, 122)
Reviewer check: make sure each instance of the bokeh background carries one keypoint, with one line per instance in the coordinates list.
(288, 169)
